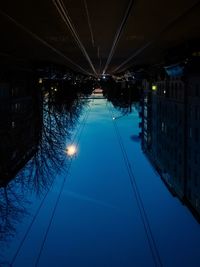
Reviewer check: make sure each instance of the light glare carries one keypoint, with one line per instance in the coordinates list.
(71, 150)
(40, 81)
(154, 87)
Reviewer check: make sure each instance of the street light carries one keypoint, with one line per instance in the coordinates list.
(71, 150)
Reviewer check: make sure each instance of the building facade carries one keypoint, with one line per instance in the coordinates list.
(19, 124)
(170, 129)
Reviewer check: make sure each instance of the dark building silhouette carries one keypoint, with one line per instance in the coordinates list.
(193, 142)
(20, 116)
(170, 129)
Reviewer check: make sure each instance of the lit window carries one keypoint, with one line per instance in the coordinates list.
(162, 127)
(154, 87)
(40, 81)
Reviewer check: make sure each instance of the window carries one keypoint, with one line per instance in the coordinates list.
(197, 90)
(189, 173)
(196, 113)
(196, 135)
(197, 202)
(180, 159)
(196, 157)
(162, 126)
(195, 179)
(190, 132)
(189, 193)
(189, 153)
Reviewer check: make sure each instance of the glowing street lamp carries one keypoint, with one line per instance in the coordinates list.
(71, 150)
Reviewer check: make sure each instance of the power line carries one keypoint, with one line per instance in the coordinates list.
(42, 41)
(52, 216)
(167, 27)
(58, 199)
(45, 196)
(118, 34)
(65, 17)
(89, 22)
(143, 214)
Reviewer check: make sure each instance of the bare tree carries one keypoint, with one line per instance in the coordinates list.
(55, 123)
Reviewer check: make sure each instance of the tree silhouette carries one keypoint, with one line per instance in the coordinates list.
(57, 115)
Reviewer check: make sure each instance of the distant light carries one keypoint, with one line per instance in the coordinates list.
(55, 89)
(196, 54)
(164, 91)
(71, 150)
(154, 87)
(52, 87)
(104, 76)
(175, 70)
(113, 118)
(40, 80)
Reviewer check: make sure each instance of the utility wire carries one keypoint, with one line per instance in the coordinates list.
(65, 17)
(42, 41)
(82, 123)
(143, 214)
(58, 199)
(118, 34)
(89, 22)
(167, 27)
